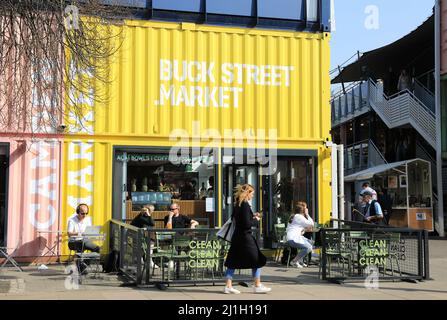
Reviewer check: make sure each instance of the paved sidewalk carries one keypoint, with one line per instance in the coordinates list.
(287, 284)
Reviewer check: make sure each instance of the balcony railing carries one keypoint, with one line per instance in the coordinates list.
(351, 104)
(403, 108)
(361, 156)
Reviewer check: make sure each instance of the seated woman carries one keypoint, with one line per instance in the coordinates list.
(144, 220)
(306, 215)
(296, 228)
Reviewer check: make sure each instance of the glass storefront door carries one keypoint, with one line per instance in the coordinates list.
(276, 194)
(293, 181)
(237, 175)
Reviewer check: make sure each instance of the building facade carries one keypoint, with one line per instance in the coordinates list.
(385, 117)
(193, 109)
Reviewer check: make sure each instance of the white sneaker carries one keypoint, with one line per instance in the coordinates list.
(304, 264)
(261, 289)
(297, 265)
(231, 290)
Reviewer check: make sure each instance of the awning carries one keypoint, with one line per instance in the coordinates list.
(371, 172)
(415, 49)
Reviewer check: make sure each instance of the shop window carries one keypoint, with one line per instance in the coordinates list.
(159, 179)
(281, 9)
(232, 7)
(179, 5)
(292, 182)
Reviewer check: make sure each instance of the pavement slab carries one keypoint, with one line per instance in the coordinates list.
(286, 284)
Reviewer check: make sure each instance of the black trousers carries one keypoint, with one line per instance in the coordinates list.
(80, 246)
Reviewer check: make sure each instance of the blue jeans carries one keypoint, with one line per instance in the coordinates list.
(303, 249)
(255, 272)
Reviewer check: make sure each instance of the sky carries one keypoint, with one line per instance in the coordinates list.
(368, 24)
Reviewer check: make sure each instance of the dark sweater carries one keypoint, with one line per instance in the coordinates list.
(142, 221)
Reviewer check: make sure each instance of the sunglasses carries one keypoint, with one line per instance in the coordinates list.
(83, 213)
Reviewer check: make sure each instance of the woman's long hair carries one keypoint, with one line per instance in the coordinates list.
(241, 193)
(298, 209)
(301, 203)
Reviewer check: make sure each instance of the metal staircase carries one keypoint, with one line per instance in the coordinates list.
(401, 109)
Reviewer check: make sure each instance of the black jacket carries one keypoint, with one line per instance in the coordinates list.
(244, 252)
(141, 221)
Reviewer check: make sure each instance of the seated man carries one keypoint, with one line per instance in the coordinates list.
(176, 220)
(77, 224)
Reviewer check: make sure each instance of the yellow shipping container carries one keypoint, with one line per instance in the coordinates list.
(172, 80)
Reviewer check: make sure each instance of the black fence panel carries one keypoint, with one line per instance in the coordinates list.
(186, 256)
(126, 241)
(351, 253)
(176, 256)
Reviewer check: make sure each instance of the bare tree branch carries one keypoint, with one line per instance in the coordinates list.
(52, 65)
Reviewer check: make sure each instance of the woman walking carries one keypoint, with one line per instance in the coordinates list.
(244, 252)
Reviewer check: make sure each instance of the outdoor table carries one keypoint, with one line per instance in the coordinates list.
(9, 258)
(51, 248)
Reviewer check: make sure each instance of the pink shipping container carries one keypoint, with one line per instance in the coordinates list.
(31, 196)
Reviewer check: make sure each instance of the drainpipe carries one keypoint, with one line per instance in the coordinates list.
(334, 182)
(341, 182)
(440, 217)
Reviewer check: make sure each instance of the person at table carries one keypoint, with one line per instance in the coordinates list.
(77, 224)
(306, 226)
(372, 210)
(296, 228)
(144, 218)
(175, 220)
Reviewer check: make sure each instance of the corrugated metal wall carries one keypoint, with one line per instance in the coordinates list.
(33, 195)
(297, 107)
(87, 178)
(299, 110)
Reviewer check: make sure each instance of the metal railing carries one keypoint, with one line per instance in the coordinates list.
(170, 256)
(351, 103)
(397, 110)
(361, 156)
(403, 108)
(425, 95)
(126, 242)
(356, 252)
